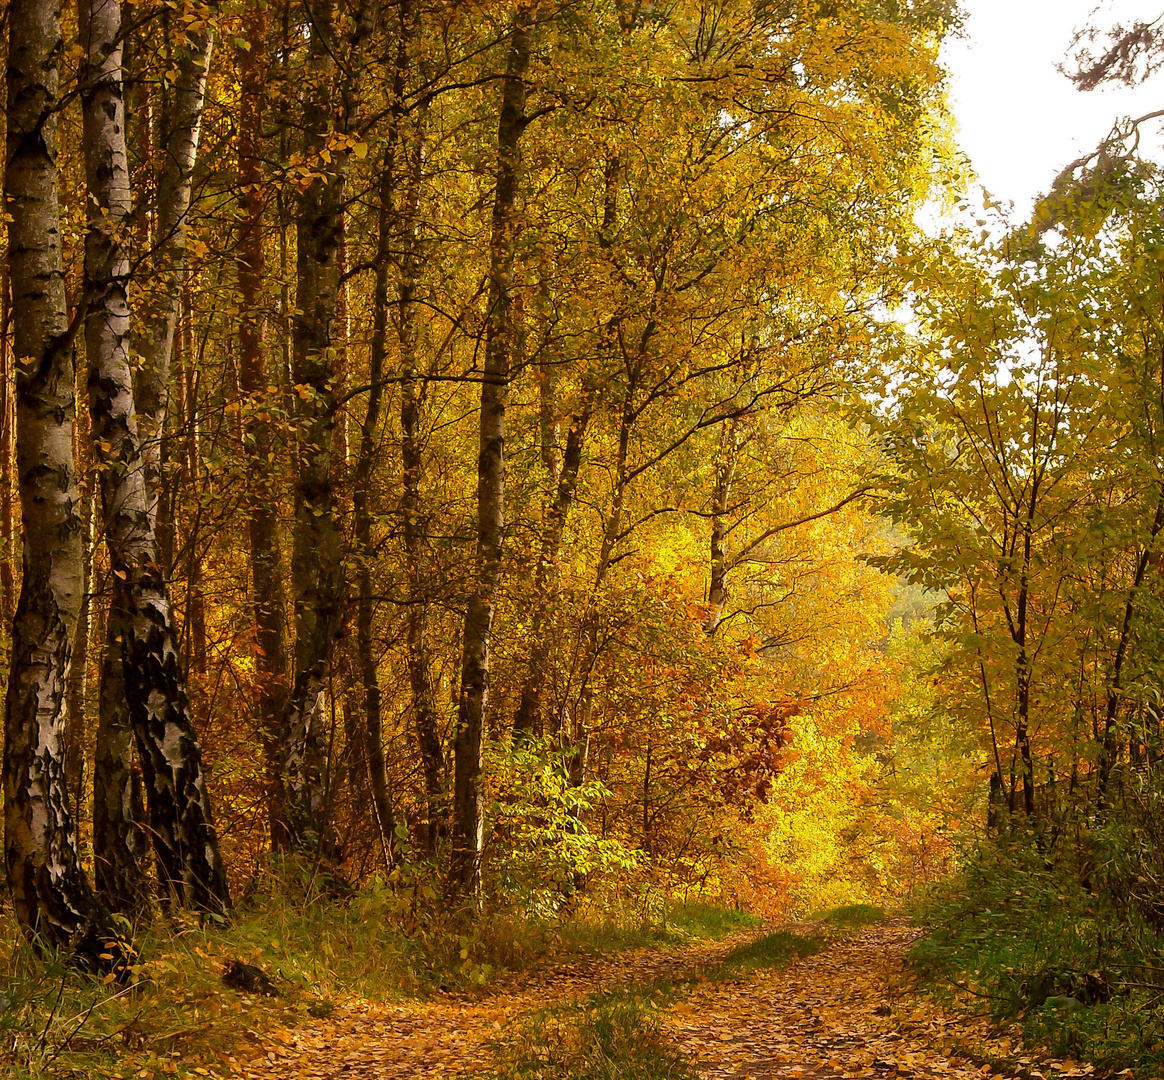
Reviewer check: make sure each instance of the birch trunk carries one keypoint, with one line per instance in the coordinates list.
(528, 718)
(7, 524)
(725, 474)
(51, 897)
(469, 747)
(316, 563)
(180, 127)
(79, 671)
(190, 870)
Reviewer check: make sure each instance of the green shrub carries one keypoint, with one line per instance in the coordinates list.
(1035, 937)
(775, 950)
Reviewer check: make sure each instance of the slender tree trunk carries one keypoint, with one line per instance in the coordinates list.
(190, 869)
(262, 507)
(574, 731)
(527, 720)
(79, 671)
(469, 746)
(180, 127)
(564, 473)
(1108, 748)
(51, 897)
(424, 705)
(317, 555)
(191, 472)
(317, 572)
(725, 474)
(365, 463)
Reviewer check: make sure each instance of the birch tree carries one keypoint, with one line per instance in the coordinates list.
(190, 869)
(51, 896)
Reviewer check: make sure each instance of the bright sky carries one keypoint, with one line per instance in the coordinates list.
(1021, 121)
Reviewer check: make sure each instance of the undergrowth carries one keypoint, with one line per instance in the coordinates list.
(1053, 947)
(379, 943)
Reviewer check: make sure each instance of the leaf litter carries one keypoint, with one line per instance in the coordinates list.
(849, 1012)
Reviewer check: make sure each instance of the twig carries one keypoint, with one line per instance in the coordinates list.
(52, 1014)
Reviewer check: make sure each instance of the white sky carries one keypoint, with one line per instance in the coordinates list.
(1019, 120)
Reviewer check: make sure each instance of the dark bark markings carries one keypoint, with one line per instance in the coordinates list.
(51, 897)
(141, 622)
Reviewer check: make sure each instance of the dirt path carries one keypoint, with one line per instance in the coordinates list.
(840, 1013)
(450, 1036)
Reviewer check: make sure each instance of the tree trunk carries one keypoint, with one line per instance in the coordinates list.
(262, 508)
(317, 573)
(7, 525)
(179, 130)
(317, 552)
(574, 731)
(528, 717)
(1115, 687)
(79, 671)
(190, 870)
(51, 897)
(469, 746)
(564, 473)
(424, 707)
(725, 473)
(366, 460)
(120, 847)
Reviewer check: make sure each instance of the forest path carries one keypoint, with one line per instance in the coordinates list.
(841, 1013)
(846, 1012)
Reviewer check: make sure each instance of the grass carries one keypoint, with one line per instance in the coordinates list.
(380, 944)
(613, 1036)
(852, 916)
(617, 1035)
(513, 943)
(776, 950)
(693, 921)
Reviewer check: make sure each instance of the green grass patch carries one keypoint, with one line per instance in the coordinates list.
(614, 1036)
(852, 916)
(776, 950)
(707, 921)
(511, 942)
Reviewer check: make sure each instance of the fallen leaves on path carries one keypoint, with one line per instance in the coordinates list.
(451, 1037)
(842, 1013)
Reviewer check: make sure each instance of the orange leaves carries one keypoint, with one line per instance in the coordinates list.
(840, 1013)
